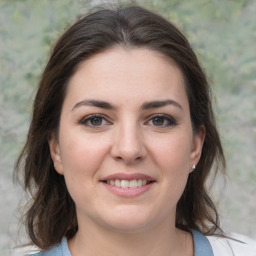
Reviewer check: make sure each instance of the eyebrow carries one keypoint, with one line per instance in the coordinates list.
(159, 104)
(94, 103)
(145, 106)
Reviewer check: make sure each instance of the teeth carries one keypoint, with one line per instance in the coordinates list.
(133, 184)
(127, 183)
(140, 182)
(117, 183)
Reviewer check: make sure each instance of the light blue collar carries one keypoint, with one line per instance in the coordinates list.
(64, 246)
(202, 246)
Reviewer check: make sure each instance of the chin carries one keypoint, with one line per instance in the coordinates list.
(129, 227)
(129, 220)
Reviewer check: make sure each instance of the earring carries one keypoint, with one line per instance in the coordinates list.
(193, 167)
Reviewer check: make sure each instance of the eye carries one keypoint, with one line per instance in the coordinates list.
(94, 121)
(161, 120)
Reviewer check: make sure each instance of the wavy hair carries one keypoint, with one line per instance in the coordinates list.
(51, 213)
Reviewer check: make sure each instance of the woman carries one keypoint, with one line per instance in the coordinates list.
(121, 143)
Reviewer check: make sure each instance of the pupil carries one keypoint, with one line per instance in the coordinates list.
(96, 121)
(158, 121)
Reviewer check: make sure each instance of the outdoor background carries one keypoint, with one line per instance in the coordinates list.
(223, 34)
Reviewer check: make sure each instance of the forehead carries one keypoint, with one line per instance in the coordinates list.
(120, 75)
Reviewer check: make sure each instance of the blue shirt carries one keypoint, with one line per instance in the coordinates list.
(202, 247)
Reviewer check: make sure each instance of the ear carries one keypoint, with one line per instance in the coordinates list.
(197, 146)
(55, 154)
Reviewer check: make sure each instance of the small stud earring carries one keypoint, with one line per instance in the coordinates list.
(193, 167)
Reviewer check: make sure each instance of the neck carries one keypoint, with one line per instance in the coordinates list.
(165, 240)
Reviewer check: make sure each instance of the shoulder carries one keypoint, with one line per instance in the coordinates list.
(233, 244)
(60, 249)
(53, 251)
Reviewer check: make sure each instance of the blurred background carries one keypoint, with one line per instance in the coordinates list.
(223, 34)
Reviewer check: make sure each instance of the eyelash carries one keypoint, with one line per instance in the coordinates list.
(89, 118)
(167, 120)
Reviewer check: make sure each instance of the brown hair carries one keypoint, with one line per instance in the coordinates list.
(51, 213)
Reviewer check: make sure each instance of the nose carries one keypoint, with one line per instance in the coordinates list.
(128, 144)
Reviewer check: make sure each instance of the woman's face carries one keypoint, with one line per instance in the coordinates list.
(126, 144)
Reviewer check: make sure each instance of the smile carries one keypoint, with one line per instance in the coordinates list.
(128, 185)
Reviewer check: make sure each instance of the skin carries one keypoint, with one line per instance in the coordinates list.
(127, 138)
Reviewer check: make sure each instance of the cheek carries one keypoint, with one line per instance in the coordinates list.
(81, 160)
(173, 152)
(81, 155)
(172, 157)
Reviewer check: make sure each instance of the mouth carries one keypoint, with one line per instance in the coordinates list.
(128, 185)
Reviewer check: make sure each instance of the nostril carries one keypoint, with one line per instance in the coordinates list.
(128, 149)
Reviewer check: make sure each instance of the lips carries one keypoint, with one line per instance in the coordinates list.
(128, 184)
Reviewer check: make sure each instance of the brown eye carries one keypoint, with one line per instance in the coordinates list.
(162, 121)
(94, 121)
(158, 121)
